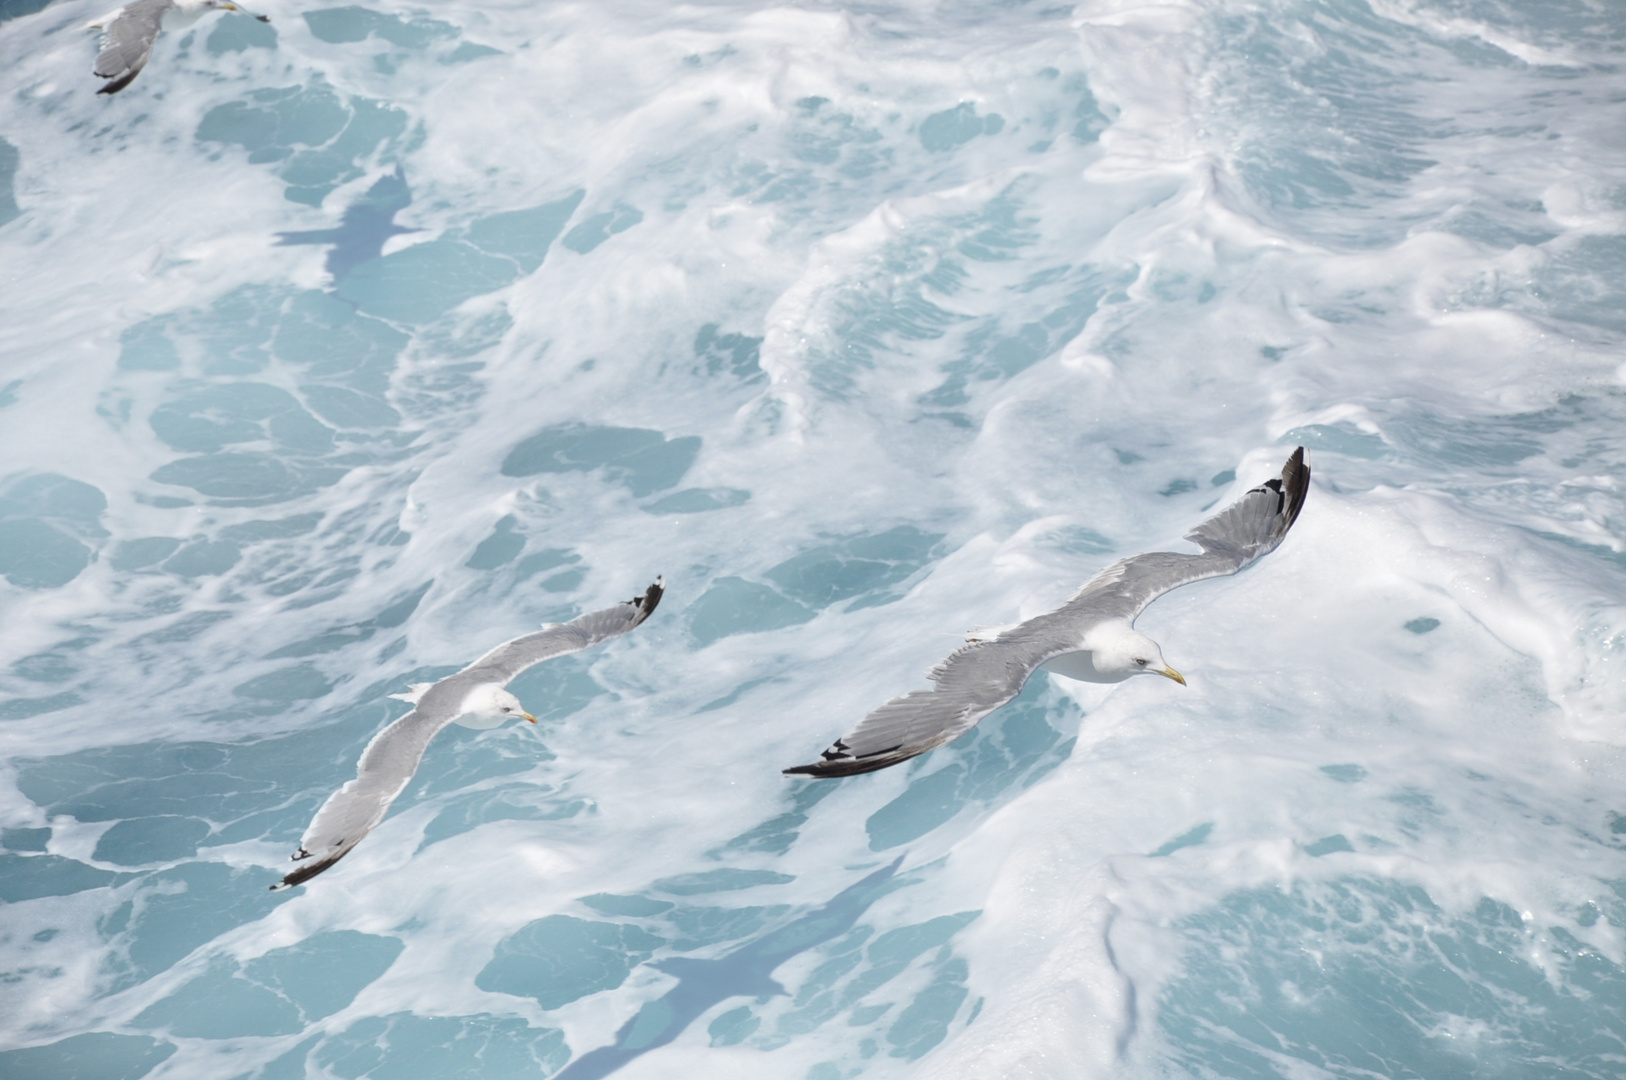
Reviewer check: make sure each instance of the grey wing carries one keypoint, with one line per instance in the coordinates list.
(387, 765)
(127, 42)
(970, 684)
(1242, 533)
(512, 657)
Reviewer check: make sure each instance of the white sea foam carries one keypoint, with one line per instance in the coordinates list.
(865, 326)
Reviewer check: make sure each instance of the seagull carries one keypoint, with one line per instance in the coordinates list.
(1091, 638)
(128, 34)
(474, 697)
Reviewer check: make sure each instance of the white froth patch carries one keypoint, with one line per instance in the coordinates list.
(1202, 307)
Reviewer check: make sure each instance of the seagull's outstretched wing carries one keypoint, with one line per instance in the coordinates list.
(984, 675)
(1237, 536)
(386, 767)
(974, 681)
(127, 39)
(512, 657)
(391, 759)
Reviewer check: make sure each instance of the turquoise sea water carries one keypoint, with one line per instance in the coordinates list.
(336, 350)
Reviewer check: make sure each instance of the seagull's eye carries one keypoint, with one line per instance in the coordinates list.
(508, 708)
(1139, 661)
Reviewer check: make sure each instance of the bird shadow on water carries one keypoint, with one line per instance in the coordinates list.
(367, 224)
(745, 972)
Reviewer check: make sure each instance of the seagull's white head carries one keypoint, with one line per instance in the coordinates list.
(1123, 651)
(489, 706)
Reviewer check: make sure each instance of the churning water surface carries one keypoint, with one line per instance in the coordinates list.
(335, 351)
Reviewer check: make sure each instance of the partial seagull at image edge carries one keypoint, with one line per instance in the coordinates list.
(473, 697)
(1091, 638)
(129, 33)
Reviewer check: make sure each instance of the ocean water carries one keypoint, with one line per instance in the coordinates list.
(336, 350)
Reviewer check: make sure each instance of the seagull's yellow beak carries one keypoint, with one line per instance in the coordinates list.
(227, 5)
(532, 719)
(1170, 673)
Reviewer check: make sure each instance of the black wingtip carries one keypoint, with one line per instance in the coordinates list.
(1295, 486)
(647, 603)
(304, 874)
(832, 768)
(807, 770)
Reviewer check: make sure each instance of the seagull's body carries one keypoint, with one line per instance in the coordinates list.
(474, 697)
(1091, 638)
(128, 34)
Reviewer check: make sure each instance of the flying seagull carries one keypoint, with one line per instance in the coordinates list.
(128, 34)
(474, 697)
(1091, 637)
